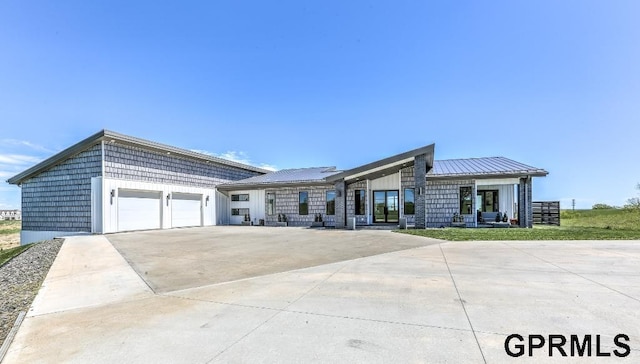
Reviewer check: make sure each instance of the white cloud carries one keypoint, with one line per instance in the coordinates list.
(236, 156)
(202, 152)
(5, 206)
(18, 159)
(240, 157)
(268, 167)
(24, 143)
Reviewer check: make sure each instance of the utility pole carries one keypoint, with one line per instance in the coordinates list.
(573, 204)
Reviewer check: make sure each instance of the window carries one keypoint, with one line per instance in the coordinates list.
(271, 203)
(303, 203)
(239, 212)
(487, 201)
(409, 201)
(243, 197)
(465, 201)
(359, 202)
(331, 202)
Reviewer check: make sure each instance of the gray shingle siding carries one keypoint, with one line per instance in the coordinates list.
(131, 163)
(59, 199)
(287, 202)
(443, 200)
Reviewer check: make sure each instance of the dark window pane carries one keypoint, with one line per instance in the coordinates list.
(465, 200)
(331, 202)
(239, 212)
(303, 203)
(488, 200)
(409, 201)
(243, 197)
(359, 202)
(271, 203)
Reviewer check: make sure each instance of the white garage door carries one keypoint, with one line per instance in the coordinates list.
(186, 209)
(139, 210)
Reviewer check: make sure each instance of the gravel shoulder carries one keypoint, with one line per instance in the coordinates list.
(20, 280)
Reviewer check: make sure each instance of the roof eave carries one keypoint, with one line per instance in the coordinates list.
(178, 151)
(106, 135)
(539, 173)
(393, 162)
(233, 187)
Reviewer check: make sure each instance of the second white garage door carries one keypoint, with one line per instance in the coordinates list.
(186, 209)
(139, 210)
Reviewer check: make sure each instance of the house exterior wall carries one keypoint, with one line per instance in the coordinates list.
(131, 163)
(109, 205)
(443, 200)
(351, 201)
(222, 209)
(287, 202)
(59, 199)
(420, 172)
(390, 182)
(407, 180)
(256, 206)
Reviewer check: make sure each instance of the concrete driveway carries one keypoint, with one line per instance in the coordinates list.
(445, 302)
(170, 260)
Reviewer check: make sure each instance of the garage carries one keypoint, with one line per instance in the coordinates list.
(139, 210)
(186, 209)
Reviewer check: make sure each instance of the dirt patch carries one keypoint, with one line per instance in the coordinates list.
(9, 241)
(10, 233)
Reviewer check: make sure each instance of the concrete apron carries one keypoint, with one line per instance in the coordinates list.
(451, 302)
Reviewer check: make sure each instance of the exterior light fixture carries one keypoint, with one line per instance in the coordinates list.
(168, 197)
(206, 201)
(113, 194)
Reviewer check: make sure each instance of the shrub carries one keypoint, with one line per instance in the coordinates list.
(602, 206)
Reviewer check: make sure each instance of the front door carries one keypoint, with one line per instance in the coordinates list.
(386, 206)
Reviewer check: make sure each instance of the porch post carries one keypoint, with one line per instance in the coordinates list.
(420, 176)
(341, 208)
(525, 209)
(529, 202)
(474, 208)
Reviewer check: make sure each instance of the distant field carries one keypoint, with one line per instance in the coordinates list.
(615, 224)
(9, 233)
(625, 219)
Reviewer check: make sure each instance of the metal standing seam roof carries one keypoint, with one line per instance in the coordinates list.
(109, 136)
(286, 176)
(482, 166)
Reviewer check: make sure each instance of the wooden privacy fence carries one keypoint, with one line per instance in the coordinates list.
(546, 212)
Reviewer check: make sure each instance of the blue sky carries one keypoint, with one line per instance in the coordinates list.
(554, 84)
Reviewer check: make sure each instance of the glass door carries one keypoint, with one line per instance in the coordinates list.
(393, 206)
(386, 206)
(379, 203)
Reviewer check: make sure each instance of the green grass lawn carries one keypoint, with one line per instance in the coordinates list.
(575, 225)
(9, 227)
(7, 254)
